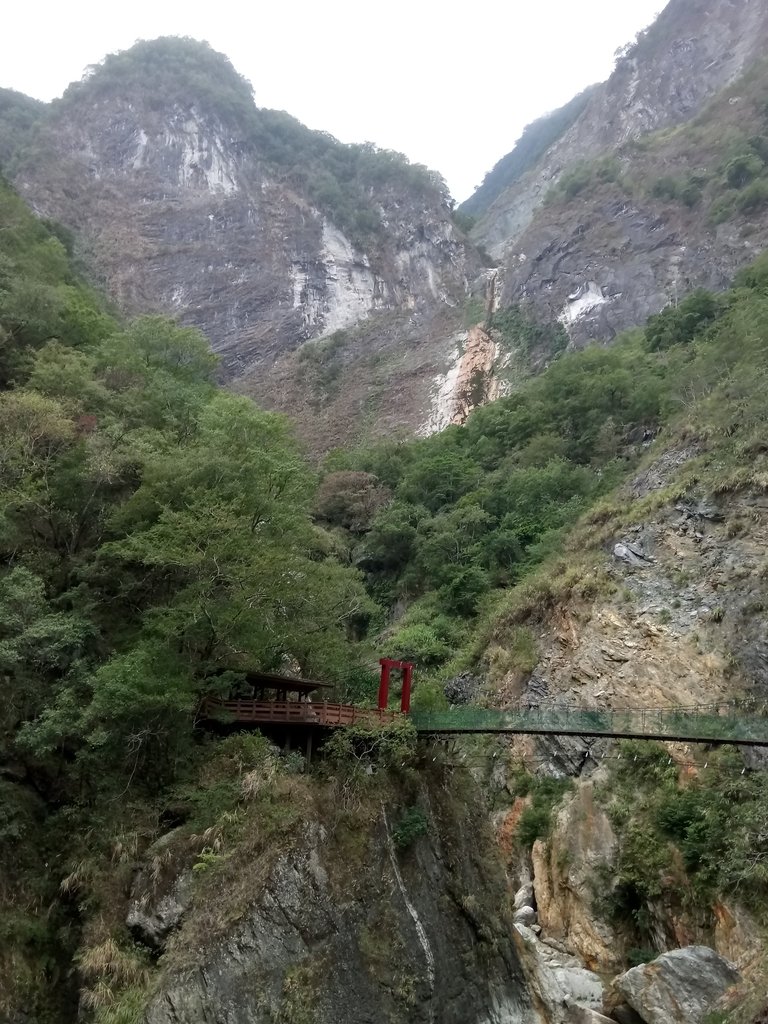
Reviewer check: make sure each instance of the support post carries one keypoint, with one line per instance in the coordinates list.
(309, 748)
(405, 699)
(384, 683)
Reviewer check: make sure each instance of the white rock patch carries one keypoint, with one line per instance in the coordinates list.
(352, 289)
(444, 390)
(586, 298)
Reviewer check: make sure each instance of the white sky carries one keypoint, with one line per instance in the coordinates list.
(449, 85)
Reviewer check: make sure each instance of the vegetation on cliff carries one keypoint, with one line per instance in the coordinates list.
(534, 142)
(157, 534)
(154, 532)
(715, 166)
(465, 516)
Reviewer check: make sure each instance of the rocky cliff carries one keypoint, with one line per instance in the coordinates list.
(187, 199)
(657, 602)
(341, 920)
(628, 209)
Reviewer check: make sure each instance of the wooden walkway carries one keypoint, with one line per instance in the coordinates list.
(742, 723)
(292, 712)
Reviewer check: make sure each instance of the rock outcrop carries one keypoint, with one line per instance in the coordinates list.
(189, 203)
(565, 870)
(418, 937)
(619, 249)
(681, 987)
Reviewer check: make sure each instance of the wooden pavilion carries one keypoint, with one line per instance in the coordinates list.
(288, 709)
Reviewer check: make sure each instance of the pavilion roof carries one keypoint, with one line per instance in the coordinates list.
(291, 684)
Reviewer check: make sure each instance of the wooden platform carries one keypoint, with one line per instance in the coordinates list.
(291, 712)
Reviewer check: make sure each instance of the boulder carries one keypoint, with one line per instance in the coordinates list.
(152, 919)
(526, 916)
(463, 688)
(524, 896)
(681, 987)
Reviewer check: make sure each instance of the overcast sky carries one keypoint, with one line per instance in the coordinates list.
(449, 85)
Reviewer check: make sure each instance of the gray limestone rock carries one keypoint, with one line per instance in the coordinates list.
(161, 893)
(681, 987)
(463, 688)
(151, 921)
(526, 916)
(395, 941)
(632, 554)
(524, 896)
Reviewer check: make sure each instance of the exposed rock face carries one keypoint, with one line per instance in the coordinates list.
(567, 991)
(692, 51)
(468, 383)
(564, 871)
(158, 903)
(680, 987)
(179, 209)
(612, 256)
(400, 940)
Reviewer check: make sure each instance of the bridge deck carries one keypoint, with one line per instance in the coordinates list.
(292, 712)
(745, 724)
(710, 724)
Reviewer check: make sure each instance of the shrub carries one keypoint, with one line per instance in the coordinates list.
(754, 197)
(666, 188)
(575, 180)
(546, 793)
(412, 825)
(743, 169)
(420, 644)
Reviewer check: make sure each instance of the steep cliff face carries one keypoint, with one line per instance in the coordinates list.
(657, 603)
(187, 199)
(343, 925)
(617, 239)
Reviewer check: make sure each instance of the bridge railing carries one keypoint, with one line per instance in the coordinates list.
(717, 723)
(292, 712)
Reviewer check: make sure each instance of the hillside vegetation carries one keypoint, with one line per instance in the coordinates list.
(474, 509)
(154, 531)
(716, 165)
(534, 142)
(157, 535)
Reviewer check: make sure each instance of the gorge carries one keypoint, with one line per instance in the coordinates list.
(271, 402)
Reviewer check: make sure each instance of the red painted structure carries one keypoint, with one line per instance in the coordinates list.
(266, 703)
(406, 667)
(292, 712)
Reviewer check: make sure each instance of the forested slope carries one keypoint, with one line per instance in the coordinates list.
(154, 530)
(158, 535)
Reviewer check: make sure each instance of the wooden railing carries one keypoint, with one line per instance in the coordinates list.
(292, 712)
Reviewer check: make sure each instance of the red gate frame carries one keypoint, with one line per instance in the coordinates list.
(406, 667)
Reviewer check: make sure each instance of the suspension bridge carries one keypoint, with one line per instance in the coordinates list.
(741, 722)
(290, 706)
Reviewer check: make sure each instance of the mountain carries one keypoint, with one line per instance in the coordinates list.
(185, 197)
(335, 282)
(596, 539)
(638, 200)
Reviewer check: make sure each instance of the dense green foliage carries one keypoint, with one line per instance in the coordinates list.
(545, 793)
(174, 71)
(155, 537)
(535, 140)
(716, 820)
(41, 297)
(517, 330)
(18, 114)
